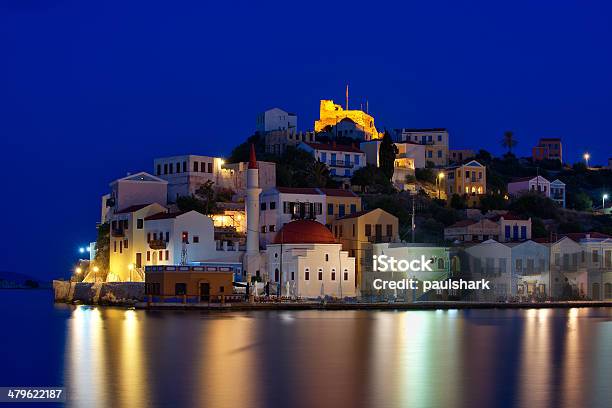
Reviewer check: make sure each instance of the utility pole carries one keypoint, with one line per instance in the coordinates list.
(413, 226)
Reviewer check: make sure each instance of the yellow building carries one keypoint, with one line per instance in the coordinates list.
(340, 203)
(469, 179)
(331, 114)
(357, 232)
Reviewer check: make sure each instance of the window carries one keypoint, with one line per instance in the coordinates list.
(595, 256)
(195, 166)
(167, 254)
(125, 243)
(326, 257)
(221, 289)
(356, 160)
(180, 289)
(389, 230)
(263, 206)
(158, 169)
(263, 229)
(167, 236)
(171, 168)
(320, 273)
(368, 230)
(120, 247)
(165, 168)
(178, 167)
(196, 239)
(276, 275)
(210, 167)
(439, 138)
(353, 225)
(273, 205)
(330, 209)
(523, 232)
(272, 228)
(292, 275)
(148, 237)
(333, 274)
(439, 153)
(161, 255)
(148, 256)
(306, 274)
(515, 232)
(323, 157)
(429, 154)
(114, 246)
(139, 223)
(203, 167)
(346, 274)
(155, 236)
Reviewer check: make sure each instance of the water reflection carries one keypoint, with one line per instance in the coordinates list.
(528, 358)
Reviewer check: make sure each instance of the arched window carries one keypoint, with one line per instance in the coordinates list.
(306, 273)
(320, 273)
(276, 275)
(345, 274)
(333, 274)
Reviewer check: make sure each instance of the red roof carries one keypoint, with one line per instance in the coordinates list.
(298, 190)
(164, 215)
(132, 208)
(508, 216)
(463, 223)
(577, 236)
(338, 192)
(252, 158)
(334, 147)
(304, 232)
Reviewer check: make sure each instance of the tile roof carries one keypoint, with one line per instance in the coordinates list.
(338, 192)
(132, 208)
(463, 223)
(164, 215)
(298, 190)
(334, 147)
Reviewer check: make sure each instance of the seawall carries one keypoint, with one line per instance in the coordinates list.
(98, 293)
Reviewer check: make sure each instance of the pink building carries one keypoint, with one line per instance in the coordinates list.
(526, 184)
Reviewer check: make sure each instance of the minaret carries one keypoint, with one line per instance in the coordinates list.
(252, 206)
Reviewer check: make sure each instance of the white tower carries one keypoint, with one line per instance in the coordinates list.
(252, 215)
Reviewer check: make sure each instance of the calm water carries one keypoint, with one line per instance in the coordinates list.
(110, 357)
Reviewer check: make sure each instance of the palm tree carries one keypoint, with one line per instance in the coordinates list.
(509, 141)
(319, 174)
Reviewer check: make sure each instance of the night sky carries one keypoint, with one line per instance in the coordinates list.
(92, 90)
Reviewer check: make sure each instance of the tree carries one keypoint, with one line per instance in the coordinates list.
(190, 203)
(534, 204)
(509, 142)
(425, 174)
(371, 179)
(458, 202)
(319, 174)
(102, 258)
(386, 154)
(579, 201)
(538, 229)
(483, 157)
(206, 194)
(493, 201)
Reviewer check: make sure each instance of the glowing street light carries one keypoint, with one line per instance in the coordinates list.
(603, 201)
(82, 250)
(439, 182)
(78, 270)
(587, 156)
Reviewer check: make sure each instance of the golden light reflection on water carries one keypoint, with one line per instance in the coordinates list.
(532, 358)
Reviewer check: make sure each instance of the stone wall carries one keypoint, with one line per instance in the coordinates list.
(92, 293)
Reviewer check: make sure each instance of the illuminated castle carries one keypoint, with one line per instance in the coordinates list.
(332, 114)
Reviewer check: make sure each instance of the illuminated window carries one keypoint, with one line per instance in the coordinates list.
(320, 273)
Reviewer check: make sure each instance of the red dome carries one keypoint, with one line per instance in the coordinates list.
(304, 232)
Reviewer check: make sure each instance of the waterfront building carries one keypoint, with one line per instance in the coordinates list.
(529, 184)
(185, 174)
(128, 245)
(530, 270)
(489, 260)
(458, 156)
(277, 141)
(276, 119)
(548, 149)
(568, 272)
(331, 114)
(342, 160)
(597, 258)
(281, 205)
(440, 270)
(133, 189)
(435, 140)
(189, 283)
(357, 232)
(305, 261)
(469, 179)
(557, 192)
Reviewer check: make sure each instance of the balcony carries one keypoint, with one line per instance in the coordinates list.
(118, 232)
(157, 244)
(342, 163)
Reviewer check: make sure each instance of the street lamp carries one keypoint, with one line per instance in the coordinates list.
(603, 201)
(439, 182)
(130, 268)
(82, 250)
(587, 156)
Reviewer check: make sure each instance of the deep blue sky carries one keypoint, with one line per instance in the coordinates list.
(92, 90)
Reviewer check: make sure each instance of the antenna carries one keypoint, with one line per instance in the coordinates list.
(347, 97)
